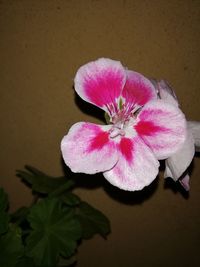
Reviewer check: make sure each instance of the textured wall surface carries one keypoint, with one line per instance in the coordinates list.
(42, 44)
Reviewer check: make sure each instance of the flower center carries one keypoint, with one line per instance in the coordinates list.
(121, 118)
(121, 125)
(118, 129)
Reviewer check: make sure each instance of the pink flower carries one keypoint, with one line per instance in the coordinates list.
(143, 129)
(176, 165)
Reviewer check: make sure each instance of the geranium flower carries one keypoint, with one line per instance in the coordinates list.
(143, 129)
(177, 164)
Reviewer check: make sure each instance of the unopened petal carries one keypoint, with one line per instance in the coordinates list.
(138, 90)
(162, 126)
(101, 82)
(178, 163)
(165, 91)
(87, 148)
(194, 126)
(137, 166)
(185, 182)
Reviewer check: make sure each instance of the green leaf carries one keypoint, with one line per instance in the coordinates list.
(63, 262)
(43, 183)
(25, 262)
(3, 200)
(92, 221)
(70, 199)
(54, 231)
(19, 215)
(4, 217)
(11, 248)
(4, 220)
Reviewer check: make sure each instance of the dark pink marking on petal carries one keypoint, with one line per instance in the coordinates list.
(126, 148)
(148, 128)
(101, 82)
(99, 141)
(146, 114)
(105, 88)
(138, 90)
(85, 148)
(90, 126)
(162, 127)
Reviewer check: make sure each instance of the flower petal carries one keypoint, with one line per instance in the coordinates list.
(87, 148)
(180, 161)
(194, 126)
(100, 82)
(165, 92)
(137, 166)
(167, 172)
(185, 182)
(138, 90)
(162, 126)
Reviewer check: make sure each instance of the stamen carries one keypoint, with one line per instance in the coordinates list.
(121, 116)
(116, 132)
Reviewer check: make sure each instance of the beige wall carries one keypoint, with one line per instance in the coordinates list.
(42, 43)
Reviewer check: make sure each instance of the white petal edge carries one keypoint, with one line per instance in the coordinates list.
(194, 126)
(178, 163)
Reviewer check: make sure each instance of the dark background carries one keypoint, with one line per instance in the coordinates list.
(42, 44)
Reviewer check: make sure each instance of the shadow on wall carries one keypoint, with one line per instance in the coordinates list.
(97, 180)
(130, 198)
(89, 109)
